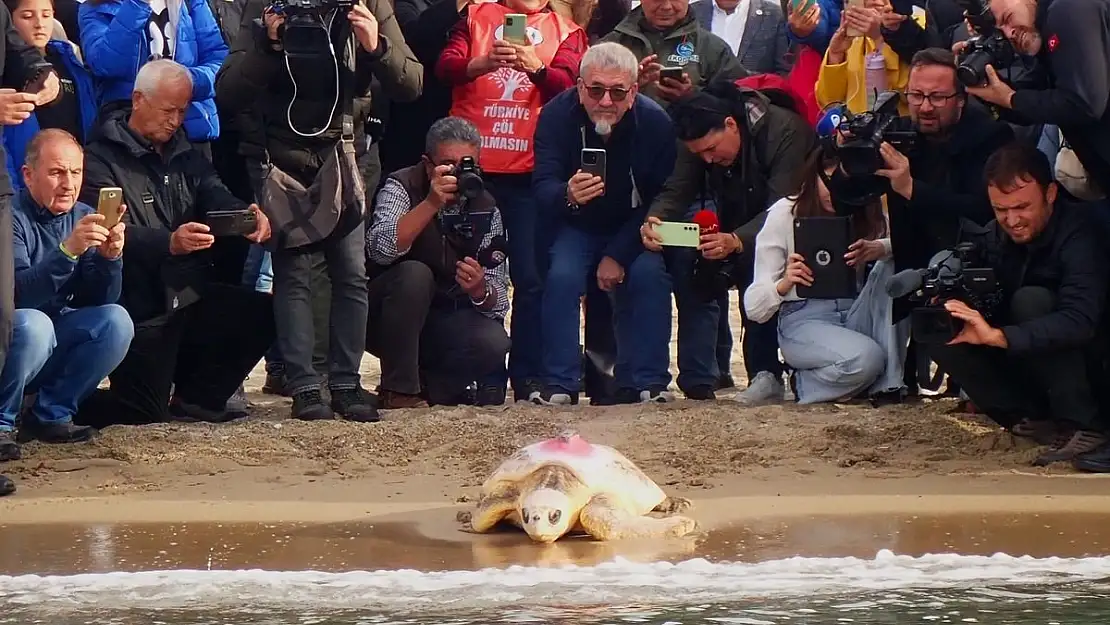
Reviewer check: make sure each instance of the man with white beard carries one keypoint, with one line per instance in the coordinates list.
(596, 205)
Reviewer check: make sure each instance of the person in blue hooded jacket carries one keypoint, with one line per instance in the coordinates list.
(812, 22)
(119, 36)
(74, 110)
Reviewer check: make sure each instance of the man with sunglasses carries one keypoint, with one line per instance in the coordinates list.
(597, 205)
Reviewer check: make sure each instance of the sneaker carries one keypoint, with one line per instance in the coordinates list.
(656, 396)
(530, 389)
(9, 448)
(351, 404)
(490, 396)
(765, 388)
(238, 404)
(391, 400)
(275, 384)
(7, 486)
(54, 433)
(554, 396)
(701, 392)
(308, 405)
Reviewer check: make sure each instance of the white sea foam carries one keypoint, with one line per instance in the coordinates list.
(619, 581)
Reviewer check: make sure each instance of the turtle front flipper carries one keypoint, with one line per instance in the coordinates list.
(491, 509)
(605, 520)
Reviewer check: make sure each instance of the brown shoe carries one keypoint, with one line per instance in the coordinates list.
(1081, 442)
(1043, 431)
(392, 400)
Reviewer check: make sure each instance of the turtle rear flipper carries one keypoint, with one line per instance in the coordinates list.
(674, 505)
(605, 520)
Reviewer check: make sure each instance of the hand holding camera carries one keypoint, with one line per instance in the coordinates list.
(365, 27)
(896, 169)
(584, 186)
(273, 22)
(975, 330)
(88, 233)
(797, 273)
(190, 237)
(444, 188)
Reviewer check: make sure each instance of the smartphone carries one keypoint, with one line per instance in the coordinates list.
(674, 73)
(516, 28)
(851, 31)
(593, 162)
(679, 234)
(231, 223)
(801, 6)
(108, 204)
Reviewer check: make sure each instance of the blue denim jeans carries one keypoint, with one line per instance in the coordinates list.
(641, 314)
(258, 274)
(838, 348)
(62, 359)
(698, 323)
(521, 216)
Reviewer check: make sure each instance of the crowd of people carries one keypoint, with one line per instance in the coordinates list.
(309, 182)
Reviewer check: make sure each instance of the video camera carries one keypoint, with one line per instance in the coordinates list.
(951, 274)
(989, 47)
(864, 134)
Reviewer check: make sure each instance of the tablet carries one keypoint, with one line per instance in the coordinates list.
(823, 242)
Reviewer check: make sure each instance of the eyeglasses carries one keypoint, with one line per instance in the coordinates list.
(616, 94)
(917, 98)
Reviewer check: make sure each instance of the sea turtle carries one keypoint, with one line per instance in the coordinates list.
(566, 484)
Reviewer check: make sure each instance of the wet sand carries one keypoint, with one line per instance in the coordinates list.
(337, 547)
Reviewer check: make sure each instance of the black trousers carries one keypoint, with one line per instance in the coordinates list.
(1043, 385)
(204, 351)
(7, 278)
(417, 342)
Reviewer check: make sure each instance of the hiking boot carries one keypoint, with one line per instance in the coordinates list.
(701, 392)
(9, 449)
(54, 433)
(392, 400)
(308, 405)
(352, 404)
(555, 396)
(765, 388)
(490, 396)
(275, 384)
(7, 486)
(1069, 448)
(238, 404)
(186, 412)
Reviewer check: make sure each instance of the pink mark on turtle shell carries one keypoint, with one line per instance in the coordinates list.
(575, 446)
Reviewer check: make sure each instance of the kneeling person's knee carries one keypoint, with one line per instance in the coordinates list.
(1031, 302)
(33, 333)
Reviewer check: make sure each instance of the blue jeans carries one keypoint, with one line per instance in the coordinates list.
(698, 323)
(838, 348)
(520, 213)
(258, 274)
(62, 359)
(641, 313)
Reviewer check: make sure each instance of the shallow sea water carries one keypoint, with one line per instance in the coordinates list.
(808, 570)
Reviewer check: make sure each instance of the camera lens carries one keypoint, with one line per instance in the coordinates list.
(972, 70)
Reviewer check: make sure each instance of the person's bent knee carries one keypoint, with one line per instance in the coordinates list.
(863, 367)
(490, 345)
(114, 326)
(647, 274)
(33, 331)
(1031, 302)
(411, 279)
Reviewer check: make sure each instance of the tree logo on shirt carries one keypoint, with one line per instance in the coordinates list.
(1053, 43)
(510, 81)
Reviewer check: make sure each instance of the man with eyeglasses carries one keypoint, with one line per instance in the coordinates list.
(597, 205)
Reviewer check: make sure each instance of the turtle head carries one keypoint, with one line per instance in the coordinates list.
(545, 514)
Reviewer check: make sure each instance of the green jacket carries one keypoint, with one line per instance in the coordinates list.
(703, 55)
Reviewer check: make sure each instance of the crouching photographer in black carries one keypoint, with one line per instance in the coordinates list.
(439, 290)
(303, 69)
(1029, 363)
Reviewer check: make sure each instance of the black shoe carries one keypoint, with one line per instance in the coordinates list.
(1070, 448)
(275, 384)
(528, 391)
(723, 382)
(9, 449)
(308, 405)
(7, 486)
(54, 433)
(351, 404)
(702, 392)
(192, 413)
(490, 396)
(1097, 461)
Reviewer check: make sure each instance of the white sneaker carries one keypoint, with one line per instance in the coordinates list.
(763, 389)
(656, 397)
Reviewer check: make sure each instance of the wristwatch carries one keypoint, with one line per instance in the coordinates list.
(485, 297)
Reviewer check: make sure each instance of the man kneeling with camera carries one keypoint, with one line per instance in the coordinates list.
(1032, 374)
(438, 289)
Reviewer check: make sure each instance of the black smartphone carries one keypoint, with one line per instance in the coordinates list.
(823, 242)
(674, 73)
(593, 162)
(231, 223)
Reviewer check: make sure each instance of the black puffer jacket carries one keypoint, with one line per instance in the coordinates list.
(162, 192)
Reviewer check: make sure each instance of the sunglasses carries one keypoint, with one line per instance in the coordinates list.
(616, 94)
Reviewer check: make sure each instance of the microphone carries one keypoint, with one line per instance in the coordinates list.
(905, 282)
(494, 254)
(707, 221)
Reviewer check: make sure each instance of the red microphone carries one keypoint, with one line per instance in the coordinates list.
(707, 221)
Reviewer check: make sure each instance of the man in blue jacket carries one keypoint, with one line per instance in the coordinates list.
(68, 331)
(597, 225)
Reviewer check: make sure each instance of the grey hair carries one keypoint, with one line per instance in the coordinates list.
(44, 138)
(610, 55)
(451, 130)
(156, 73)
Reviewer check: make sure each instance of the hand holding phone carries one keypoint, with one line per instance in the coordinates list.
(584, 187)
(110, 205)
(515, 29)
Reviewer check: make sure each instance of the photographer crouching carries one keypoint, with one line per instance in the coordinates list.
(1030, 368)
(439, 290)
(303, 69)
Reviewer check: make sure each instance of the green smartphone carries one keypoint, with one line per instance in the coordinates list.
(679, 234)
(516, 28)
(801, 6)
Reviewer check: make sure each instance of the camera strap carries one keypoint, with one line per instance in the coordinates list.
(347, 80)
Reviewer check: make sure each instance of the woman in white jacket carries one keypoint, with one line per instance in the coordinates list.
(836, 348)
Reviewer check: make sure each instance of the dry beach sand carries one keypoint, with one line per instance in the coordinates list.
(424, 464)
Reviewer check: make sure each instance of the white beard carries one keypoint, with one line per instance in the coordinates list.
(603, 128)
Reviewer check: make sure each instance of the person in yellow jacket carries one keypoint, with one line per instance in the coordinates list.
(855, 67)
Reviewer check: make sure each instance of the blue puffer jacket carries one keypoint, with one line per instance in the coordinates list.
(114, 42)
(16, 138)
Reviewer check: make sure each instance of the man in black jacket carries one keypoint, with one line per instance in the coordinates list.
(1033, 374)
(196, 335)
(746, 152)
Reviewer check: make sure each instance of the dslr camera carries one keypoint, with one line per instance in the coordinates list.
(952, 274)
(989, 47)
(864, 134)
(304, 35)
(468, 177)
